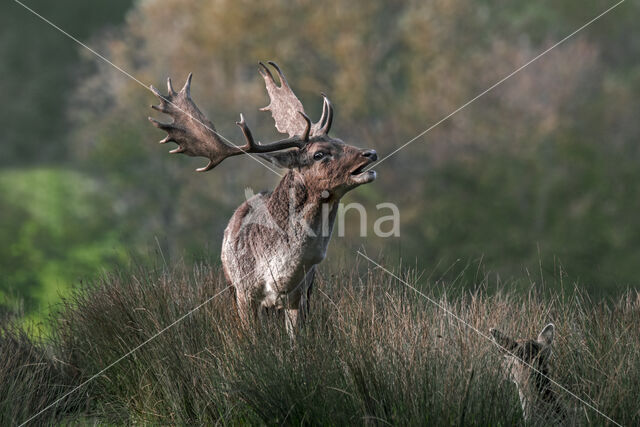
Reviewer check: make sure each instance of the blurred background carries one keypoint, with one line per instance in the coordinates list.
(539, 178)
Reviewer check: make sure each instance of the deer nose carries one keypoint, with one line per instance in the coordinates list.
(370, 154)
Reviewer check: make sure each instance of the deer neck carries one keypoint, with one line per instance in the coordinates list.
(300, 209)
(538, 399)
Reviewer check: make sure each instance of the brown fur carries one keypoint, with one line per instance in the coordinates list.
(289, 223)
(274, 240)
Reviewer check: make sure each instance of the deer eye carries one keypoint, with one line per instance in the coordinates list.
(319, 155)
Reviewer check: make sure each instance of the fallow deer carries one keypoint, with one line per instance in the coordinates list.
(526, 363)
(274, 240)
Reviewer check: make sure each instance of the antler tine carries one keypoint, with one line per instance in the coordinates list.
(155, 91)
(179, 149)
(209, 166)
(160, 107)
(307, 129)
(328, 120)
(283, 79)
(268, 80)
(323, 117)
(170, 87)
(266, 73)
(187, 86)
(160, 125)
(252, 147)
(247, 134)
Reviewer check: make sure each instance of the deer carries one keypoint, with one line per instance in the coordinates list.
(274, 240)
(526, 363)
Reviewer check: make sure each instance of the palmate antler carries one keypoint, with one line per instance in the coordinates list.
(196, 135)
(284, 105)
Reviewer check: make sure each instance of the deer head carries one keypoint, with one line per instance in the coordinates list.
(522, 356)
(526, 363)
(327, 165)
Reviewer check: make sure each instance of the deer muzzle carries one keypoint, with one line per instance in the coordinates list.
(361, 175)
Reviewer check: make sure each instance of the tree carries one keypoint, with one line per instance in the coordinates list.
(508, 176)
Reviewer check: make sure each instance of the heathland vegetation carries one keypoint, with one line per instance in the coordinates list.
(373, 352)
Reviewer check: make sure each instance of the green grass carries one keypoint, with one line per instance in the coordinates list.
(373, 352)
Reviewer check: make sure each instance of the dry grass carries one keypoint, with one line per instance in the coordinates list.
(373, 352)
(31, 379)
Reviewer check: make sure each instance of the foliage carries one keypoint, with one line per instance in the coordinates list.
(40, 223)
(542, 169)
(40, 68)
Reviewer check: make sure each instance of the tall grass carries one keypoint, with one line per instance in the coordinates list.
(373, 352)
(31, 378)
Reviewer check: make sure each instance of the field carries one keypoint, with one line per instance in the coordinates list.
(373, 352)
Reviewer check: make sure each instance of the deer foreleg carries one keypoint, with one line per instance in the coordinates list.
(291, 321)
(296, 315)
(246, 308)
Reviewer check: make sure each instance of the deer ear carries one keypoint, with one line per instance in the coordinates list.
(282, 159)
(546, 336)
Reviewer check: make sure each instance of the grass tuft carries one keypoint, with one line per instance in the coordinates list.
(372, 352)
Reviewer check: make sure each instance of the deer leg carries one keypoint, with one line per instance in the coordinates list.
(245, 308)
(291, 317)
(306, 294)
(526, 412)
(297, 312)
(292, 313)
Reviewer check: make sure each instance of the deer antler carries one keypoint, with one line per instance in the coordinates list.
(285, 105)
(190, 129)
(196, 135)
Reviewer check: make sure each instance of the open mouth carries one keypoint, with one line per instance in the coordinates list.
(359, 169)
(361, 175)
